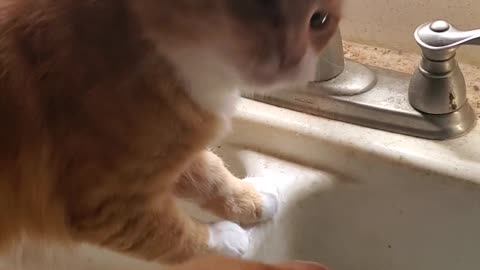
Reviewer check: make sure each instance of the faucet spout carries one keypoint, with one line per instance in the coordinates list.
(335, 76)
(331, 61)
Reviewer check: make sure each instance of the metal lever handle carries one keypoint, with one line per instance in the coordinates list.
(440, 40)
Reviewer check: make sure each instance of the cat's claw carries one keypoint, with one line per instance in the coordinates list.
(270, 195)
(228, 238)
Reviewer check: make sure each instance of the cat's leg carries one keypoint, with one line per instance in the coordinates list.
(156, 232)
(213, 187)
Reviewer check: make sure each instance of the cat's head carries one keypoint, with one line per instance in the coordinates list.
(254, 43)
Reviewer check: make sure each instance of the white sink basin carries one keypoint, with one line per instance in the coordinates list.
(351, 197)
(389, 201)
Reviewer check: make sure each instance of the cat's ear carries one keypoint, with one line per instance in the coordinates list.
(299, 265)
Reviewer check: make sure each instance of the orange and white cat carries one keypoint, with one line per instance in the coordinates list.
(107, 107)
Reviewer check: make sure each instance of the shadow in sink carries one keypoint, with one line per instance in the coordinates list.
(398, 219)
(404, 205)
(393, 218)
(232, 160)
(244, 162)
(384, 226)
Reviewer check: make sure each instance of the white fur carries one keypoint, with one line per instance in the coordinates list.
(210, 82)
(297, 77)
(270, 195)
(214, 85)
(228, 238)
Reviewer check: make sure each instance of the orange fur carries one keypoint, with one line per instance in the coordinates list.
(214, 263)
(100, 127)
(212, 186)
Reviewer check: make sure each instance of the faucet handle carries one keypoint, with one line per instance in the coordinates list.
(440, 40)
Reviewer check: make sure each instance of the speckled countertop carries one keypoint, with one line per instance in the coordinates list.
(406, 62)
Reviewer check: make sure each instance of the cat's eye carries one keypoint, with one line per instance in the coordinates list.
(318, 20)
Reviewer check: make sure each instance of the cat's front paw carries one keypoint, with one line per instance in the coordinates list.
(268, 191)
(228, 238)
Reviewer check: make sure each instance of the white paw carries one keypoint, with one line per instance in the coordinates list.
(269, 192)
(228, 238)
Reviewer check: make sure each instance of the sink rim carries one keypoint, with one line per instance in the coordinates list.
(457, 158)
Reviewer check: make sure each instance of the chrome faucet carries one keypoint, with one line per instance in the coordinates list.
(432, 103)
(331, 61)
(438, 85)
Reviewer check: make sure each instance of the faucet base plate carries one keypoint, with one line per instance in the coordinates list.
(355, 79)
(385, 106)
